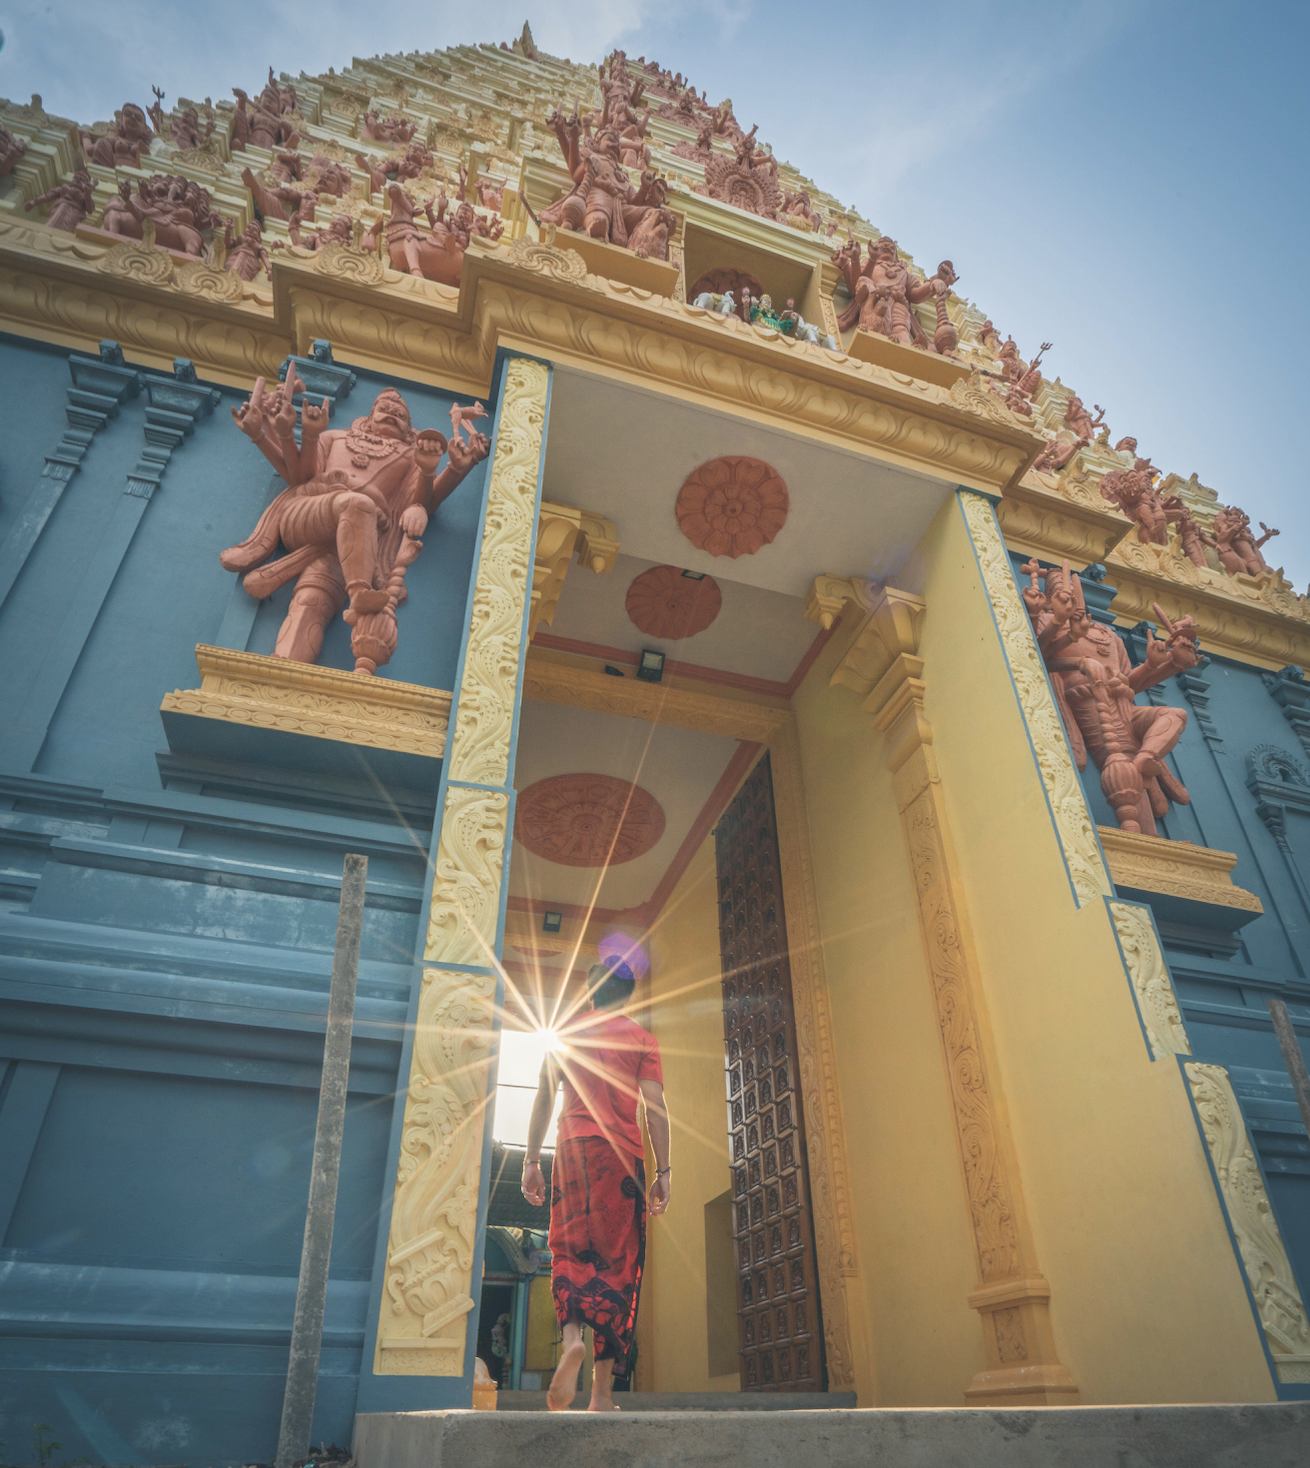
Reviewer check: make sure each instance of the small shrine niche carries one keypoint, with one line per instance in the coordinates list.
(716, 264)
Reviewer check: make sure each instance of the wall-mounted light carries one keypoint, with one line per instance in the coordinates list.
(550, 922)
(651, 666)
(694, 575)
(613, 671)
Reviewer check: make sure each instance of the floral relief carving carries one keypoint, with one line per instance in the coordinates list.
(1264, 1258)
(434, 1217)
(1156, 1001)
(466, 890)
(1064, 791)
(198, 279)
(546, 260)
(972, 394)
(995, 1233)
(138, 262)
(731, 506)
(664, 603)
(346, 262)
(485, 713)
(587, 820)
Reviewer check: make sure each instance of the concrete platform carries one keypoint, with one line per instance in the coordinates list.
(691, 1401)
(1276, 1435)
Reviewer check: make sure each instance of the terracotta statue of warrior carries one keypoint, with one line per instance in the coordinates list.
(124, 146)
(1191, 537)
(341, 231)
(352, 516)
(884, 293)
(70, 203)
(1235, 544)
(262, 123)
(800, 206)
(1057, 454)
(1095, 684)
(11, 151)
(490, 192)
(1134, 491)
(438, 255)
(387, 129)
(1081, 421)
(333, 179)
(246, 253)
(285, 200)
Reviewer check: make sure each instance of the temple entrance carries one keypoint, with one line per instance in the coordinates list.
(780, 1339)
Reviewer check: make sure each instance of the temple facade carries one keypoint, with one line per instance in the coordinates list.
(362, 434)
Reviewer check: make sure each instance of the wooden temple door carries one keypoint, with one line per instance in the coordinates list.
(779, 1328)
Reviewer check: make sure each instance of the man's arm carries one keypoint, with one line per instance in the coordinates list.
(534, 1184)
(657, 1124)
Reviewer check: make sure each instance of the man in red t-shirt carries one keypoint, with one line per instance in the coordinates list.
(598, 1181)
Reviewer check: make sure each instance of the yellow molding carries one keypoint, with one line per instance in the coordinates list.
(260, 692)
(1176, 868)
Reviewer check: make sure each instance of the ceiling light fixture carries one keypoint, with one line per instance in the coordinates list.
(550, 922)
(651, 667)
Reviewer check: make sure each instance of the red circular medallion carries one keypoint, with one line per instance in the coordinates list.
(587, 820)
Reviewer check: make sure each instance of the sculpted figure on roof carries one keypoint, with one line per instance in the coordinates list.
(11, 151)
(1134, 491)
(180, 209)
(386, 129)
(352, 516)
(883, 292)
(439, 253)
(263, 122)
(1191, 537)
(124, 146)
(70, 203)
(1095, 685)
(184, 127)
(1235, 543)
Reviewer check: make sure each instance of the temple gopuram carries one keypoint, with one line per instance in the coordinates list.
(362, 433)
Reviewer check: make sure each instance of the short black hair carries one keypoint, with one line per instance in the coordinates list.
(611, 984)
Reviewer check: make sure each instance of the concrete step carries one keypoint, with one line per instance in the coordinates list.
(691, 1401)
(1276, 1435)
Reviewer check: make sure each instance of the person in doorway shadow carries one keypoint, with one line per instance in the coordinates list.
(598, 1205)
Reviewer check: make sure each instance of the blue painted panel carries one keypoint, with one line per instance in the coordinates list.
(33, 377)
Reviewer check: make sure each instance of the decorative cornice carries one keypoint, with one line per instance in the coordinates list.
(260, 692)
(562, 530)
(1174, 868)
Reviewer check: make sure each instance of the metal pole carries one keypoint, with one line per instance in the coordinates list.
(316, 1253)
(1293, 1059)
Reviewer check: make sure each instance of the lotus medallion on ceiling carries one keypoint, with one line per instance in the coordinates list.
(587, 820)
(664, 603)
(732, 506)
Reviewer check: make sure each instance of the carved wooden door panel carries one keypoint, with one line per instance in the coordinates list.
(779, 1331)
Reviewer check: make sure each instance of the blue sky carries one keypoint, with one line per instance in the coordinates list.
(1128, 181)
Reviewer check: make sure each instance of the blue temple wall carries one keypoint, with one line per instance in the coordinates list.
(167, 919)
(1224, 978)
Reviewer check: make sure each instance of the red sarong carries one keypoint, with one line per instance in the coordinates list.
(598, 1242)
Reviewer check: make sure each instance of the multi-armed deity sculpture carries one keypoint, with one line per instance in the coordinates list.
(352, 517)
(1095, 684)
(883, 295)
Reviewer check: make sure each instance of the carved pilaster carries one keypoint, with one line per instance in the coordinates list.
(561, 531)
(429, 1287)
(882, 662)
(1278, 1302)
(1290, 691)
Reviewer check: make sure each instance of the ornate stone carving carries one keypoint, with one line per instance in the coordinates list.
(123, 144)
(178, 208)
(587, 820)
(339, 540)
(69, 203)
(1013, 1298)
(883, 296)
(664, 603)
(466, 890)
(732, 506)
(209, 283)
(323, 703)
(1177, 868)
(434, 1213)
(972, 394)
(546, 260)
(1149, 975)
(345, 262)
(485, 715)
(562, 529)
(1278, 1302)
(1064, 791)
(139, 263)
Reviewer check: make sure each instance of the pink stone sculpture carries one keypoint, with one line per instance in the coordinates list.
(246, 254)
(284, 200)
(181, 211)
(1236, 545)
(1134, 491)
(732, 506)
(1191, 536)
(883, 293)
(386, 129)
(341, 231)
(332, 179)
(400, 166)
(12, 149)
(1081, 421)
(351, 519)
(800, 206)
(491, 193)
(1057, 454)
(183, 129)
(70, 203)
(989, 335)
(124, 146)
(1095, 685)
(439, 254)
(265, 123)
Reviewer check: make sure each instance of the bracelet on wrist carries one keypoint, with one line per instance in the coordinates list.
(663, 1170)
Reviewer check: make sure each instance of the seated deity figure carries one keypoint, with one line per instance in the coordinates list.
(1095, 684)
(124, 146)
(352, 516)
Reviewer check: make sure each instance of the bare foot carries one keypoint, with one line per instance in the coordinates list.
(603, 1407)
(564, 1384)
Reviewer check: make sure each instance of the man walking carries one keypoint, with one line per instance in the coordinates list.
(598, 1184)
